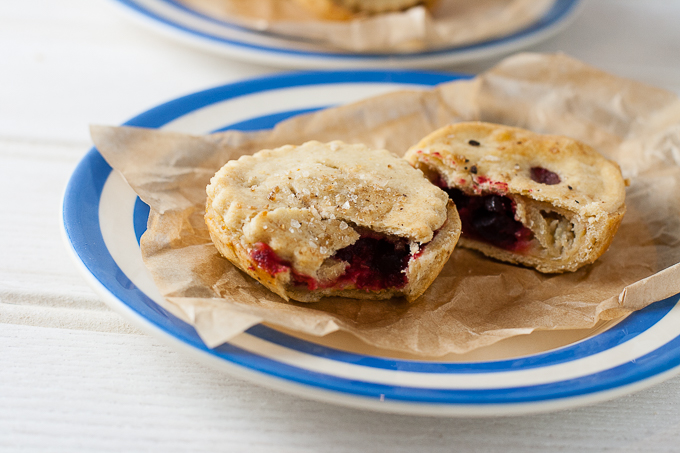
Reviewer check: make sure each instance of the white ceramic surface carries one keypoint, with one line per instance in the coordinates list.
(177, 21)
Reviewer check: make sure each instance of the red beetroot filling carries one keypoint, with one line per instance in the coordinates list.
(375, 263)
(491, 218)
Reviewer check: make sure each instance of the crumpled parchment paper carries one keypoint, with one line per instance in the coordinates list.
(475, 301)
(450, 23)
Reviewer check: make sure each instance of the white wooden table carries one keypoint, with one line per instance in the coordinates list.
(74, 376)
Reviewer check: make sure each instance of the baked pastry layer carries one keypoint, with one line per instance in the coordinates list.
(544, 201)
(324, 219)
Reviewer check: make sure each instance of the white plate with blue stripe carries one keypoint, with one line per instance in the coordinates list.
(103, 220)
(180, 22)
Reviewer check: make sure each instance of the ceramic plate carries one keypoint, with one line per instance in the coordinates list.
(177, 21)
(103, 220)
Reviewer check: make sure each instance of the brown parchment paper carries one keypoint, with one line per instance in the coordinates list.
(475, 301)
(450, 23)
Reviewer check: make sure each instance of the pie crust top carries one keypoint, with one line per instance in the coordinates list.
(477, 156)
(308, 201)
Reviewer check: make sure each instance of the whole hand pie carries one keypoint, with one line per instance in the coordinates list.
(349, 9)
(544, 201)
(331, 219)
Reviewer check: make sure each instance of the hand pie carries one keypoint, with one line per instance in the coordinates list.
(543, 201)
(331, 219)
(349, 9)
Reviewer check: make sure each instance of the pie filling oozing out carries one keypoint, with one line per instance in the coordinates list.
(375, 262)
(491, 217)
(543, 201)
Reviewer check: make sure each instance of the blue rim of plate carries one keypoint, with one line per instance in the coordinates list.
(560, 12)
(80, 213)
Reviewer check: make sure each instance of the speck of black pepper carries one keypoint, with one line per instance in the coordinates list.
(467, 160)
(473, 143)
(473, 169)
(465, 168)
(577, 201)
(570, 188)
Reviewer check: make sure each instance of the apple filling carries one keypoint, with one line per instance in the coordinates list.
(373, 263)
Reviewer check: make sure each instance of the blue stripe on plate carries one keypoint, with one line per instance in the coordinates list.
(81, 223)
(559, 10)
(658, 361)
(624, 331)
(267, 121)
(140, 216)
(171, 110)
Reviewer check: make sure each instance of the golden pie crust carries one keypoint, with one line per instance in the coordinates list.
(310, 201)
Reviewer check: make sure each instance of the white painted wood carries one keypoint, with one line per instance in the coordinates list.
(76, 377)
(83, 391)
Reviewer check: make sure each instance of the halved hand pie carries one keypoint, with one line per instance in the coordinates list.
(545, 201)
(331, 220)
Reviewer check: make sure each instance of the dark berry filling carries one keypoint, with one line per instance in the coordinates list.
(491, 218)
(375, 263)
(544, 176)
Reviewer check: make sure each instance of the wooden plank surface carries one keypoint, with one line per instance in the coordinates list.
(74, 376)
(84, 391)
